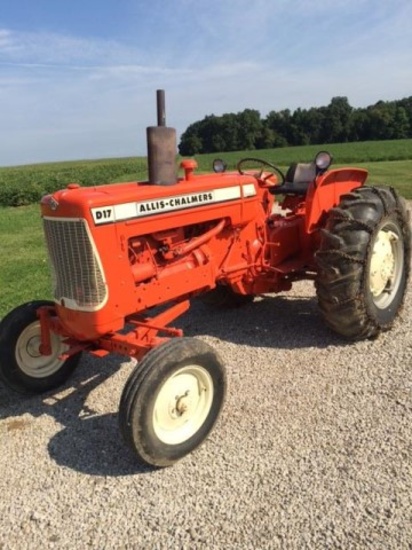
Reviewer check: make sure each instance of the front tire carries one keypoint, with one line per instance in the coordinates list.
(364, 262)
(172, 400)
(22, 367)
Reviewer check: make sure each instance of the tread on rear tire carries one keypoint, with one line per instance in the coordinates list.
(364, 262)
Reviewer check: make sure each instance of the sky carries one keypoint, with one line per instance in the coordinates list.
(78, 78)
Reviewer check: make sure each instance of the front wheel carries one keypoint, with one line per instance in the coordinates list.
(364, 262)
(22, 366)
(172, 400)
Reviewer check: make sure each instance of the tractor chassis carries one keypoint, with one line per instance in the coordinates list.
(135, 342)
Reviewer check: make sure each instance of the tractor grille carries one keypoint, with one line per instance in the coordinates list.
(78, 277)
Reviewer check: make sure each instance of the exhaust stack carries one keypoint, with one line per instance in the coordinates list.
(161, 147)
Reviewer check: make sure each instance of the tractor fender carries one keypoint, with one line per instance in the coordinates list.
(325, 192)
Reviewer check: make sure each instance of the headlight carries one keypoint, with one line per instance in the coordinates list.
(219, 166)
(323, 160)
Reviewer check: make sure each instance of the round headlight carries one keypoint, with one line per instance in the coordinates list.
(219, 166)
(323, 160)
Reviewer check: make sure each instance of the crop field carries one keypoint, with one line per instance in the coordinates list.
(24, 185)
(343, 153)
(24, 273)
(388, 161)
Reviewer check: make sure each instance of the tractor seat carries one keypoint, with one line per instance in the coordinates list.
(297, 179)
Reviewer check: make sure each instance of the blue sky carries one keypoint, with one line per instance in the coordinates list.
(78, 78)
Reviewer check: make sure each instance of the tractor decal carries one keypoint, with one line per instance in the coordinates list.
(120, 212)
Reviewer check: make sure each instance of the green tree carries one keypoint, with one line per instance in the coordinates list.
(337, 121)
(380, 119)
(190, 141)
(249, 129)
(280, 123)
(401, 124)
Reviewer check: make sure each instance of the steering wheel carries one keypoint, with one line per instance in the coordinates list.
(262, 163)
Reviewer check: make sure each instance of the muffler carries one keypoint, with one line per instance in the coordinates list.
(161, 147)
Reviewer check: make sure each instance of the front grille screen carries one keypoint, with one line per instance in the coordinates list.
(76, 271)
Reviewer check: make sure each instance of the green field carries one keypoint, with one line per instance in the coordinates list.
(23, 185)
(343, 153)
(24, 273)
(26, 184)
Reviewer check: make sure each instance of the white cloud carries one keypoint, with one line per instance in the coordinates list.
(46, 48)
(5, 39)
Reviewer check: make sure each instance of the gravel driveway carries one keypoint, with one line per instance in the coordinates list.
(313, 450)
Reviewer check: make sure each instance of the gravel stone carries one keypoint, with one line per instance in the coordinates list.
(313, 449)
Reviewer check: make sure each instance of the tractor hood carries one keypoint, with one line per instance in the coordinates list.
(133, 201)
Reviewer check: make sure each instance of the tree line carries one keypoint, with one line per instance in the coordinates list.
(338, 122)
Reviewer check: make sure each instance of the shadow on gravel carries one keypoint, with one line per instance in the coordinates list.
(273, 322)
(91, 443)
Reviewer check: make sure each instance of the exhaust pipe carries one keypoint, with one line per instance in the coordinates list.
(161, 147)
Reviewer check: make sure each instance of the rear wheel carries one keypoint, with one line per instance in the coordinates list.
(223, 297)
(22, 367)
(364, 262)
(172, 400)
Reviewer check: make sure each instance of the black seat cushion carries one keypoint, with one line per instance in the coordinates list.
(297, 179)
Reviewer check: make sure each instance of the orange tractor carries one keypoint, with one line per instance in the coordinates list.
(128, 258)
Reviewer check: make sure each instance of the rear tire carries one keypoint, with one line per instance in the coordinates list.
(223, 297)
(172, 400)
(22, 367)
(364, 262)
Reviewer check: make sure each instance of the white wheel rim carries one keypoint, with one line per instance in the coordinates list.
(386, 265)
(182, 404)
(29, 358)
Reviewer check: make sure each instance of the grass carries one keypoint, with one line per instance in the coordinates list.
(24, 272)
(26, 184)
(343, 153)
(395, 173)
